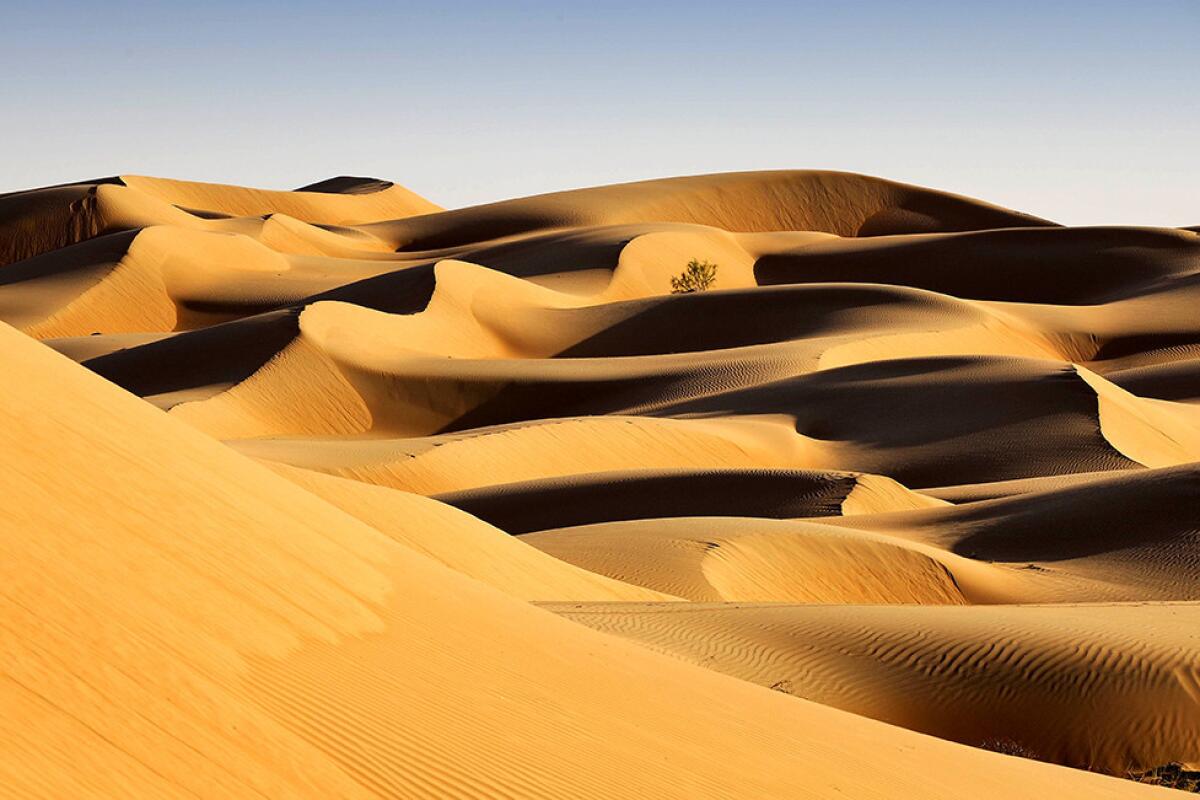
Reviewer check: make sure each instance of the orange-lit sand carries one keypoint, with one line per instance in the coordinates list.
(426, 503)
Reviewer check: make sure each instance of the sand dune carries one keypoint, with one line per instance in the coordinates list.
(1135, 532)
(38, 220)
(834, 202)
(464, 543)
(938, 421)
(974, 675)
(748, 560)
(925, 466)
(176, 626)
(535, 450)
(1067, 266)
(642, 494)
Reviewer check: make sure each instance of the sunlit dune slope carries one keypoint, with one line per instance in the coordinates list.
(320, 493)
(464, 543)
(38, 220)
(975, 675)
(834, 202)
(750, 559)
(535, 450)
(290, 649)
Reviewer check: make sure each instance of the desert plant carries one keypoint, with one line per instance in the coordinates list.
(699, 276)
(1009, 747)
(1172, 776)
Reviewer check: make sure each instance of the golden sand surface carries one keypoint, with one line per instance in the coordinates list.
(336, 493)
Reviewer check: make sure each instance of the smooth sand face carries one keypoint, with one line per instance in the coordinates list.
(425, 503)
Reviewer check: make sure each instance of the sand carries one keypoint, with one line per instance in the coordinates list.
(335, 493)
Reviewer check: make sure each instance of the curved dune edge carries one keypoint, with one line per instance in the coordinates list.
(973, 675)
(929, 422)
(538, 449)
(861, 560)
(740, 559)
(464, 543)
(876, 494)
(452, 365)
(798, 200)
(270, 592)
(40, 220)
(993, 490)
(416, 394)
(1128, 536)
(314, 207)
(313, 398)
(655, 493)
(1156, 433)
(170, 278)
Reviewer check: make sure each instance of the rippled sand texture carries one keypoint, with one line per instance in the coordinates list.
(429, 503)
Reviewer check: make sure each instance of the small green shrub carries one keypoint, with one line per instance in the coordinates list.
(699, 276)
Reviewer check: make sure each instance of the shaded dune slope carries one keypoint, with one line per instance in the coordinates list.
(606, 497)
(1139, 532)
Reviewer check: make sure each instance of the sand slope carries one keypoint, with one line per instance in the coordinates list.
(643, 494)
(176, 587)
(463, 543)
(914, 461)
(1124, 701)
(1135, 532)
(750, 559)
(38, 220)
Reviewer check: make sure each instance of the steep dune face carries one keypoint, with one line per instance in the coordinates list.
(1152, 432)
(914, 462)
(40, 220)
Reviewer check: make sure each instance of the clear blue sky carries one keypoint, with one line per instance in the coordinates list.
(1085, 112)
